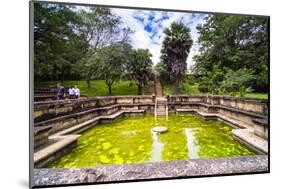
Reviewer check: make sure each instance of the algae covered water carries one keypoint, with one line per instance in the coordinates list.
(130, 140)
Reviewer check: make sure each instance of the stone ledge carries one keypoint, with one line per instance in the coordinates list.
(251, 140)
(232, 122)
(46, 104)
(82, 112)
(41, 156)
(156, 170)
(97, 120)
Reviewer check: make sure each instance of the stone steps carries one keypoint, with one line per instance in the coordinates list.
(234, 122)
(161, 103)
(83, 126)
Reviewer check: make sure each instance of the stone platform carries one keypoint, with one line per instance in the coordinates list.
(149, 171)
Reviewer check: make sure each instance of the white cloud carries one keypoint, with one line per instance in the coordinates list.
(156, 21)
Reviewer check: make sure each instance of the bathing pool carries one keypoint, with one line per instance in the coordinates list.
(130, 140)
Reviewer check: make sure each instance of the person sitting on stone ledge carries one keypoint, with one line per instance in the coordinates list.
(76, 91)
(71, 92)
(60, 92)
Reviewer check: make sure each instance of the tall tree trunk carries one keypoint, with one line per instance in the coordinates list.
(139, 88)
(109, 89)
(176, 86)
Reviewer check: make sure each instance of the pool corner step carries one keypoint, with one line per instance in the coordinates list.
(254, 142)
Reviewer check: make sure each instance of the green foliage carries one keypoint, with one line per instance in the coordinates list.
(174, 52)
(235, 81)
(65, 38)
(56, 44)
(140, 68)
(229, 43)
(108, 63)
(162, 69)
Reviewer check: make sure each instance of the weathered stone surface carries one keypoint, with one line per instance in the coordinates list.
(184, 168)
(159, 129)
(46, 110)
(47, 154)
(250, 139)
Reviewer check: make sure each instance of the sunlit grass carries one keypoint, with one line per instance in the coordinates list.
(125, 87)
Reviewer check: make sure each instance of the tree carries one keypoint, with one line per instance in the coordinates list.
(99, 29)
(66, 38)
(109, 63)
(175, 49)
(140, 68)
(230, 43)
(235, 81)
(55, 46)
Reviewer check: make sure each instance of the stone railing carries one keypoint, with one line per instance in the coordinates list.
(247, 104)
(51, 109)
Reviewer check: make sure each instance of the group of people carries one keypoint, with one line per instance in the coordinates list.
(74, 92)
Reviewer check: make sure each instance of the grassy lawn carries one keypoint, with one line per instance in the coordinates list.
(257, 95)
(99, 88)
(185, 88)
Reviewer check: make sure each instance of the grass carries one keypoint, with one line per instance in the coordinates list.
(185, 88)
(99, 88)
(256, 95)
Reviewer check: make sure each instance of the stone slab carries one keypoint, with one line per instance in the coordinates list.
(156, 170)
(251, 140)
(52, 149)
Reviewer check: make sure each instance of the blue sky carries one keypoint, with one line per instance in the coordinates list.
(148, 28)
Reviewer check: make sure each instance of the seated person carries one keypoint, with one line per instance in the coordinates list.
(76, 91)
(71, 92)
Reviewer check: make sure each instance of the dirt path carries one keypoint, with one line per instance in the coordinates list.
(158, 90)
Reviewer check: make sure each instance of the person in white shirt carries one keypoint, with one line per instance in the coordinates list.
(71, 92)
(76, 91)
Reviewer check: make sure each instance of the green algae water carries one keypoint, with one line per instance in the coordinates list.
(130, 140)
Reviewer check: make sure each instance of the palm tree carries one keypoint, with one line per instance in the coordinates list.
(175, 49)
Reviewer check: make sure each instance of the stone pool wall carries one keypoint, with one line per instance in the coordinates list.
(65, 117)
(67, 113)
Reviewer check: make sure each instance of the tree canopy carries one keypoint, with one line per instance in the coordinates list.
(232, 44)
(140, 69)
(66, 37)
